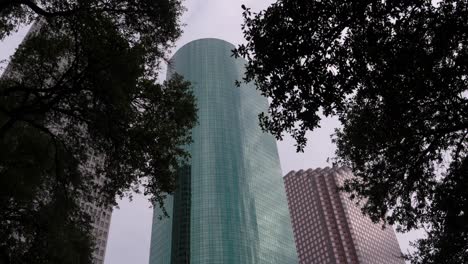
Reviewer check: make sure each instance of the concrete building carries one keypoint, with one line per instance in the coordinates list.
(101, 220)
(100, 216)
(230, 206)
(329, 227)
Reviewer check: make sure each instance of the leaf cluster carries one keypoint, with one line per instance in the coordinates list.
(151, 25)
(82, 117)
(395, 73)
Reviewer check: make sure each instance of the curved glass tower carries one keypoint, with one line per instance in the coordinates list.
(231, 205)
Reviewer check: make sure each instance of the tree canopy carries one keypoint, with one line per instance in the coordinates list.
(395, 73)
(80, 101)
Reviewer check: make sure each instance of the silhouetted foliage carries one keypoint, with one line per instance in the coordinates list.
(79, 101)
(395, 73)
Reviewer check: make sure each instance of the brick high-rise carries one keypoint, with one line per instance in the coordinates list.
(329, 227)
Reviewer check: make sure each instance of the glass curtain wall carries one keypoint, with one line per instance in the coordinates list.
(236, 198)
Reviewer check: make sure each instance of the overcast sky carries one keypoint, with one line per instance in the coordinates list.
(129, 237)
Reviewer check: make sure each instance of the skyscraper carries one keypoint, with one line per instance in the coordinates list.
(230, 206)
(329, 227)
(100, 215)
(101, 220)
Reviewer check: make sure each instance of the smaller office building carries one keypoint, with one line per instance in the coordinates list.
(329, 228)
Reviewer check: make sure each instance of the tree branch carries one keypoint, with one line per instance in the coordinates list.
(6, 3)
(5, 127)
(38, 10)
(460, 146)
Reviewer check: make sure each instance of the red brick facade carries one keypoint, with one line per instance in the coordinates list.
(329, 228)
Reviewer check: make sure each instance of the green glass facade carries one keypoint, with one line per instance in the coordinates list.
(231, 205)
